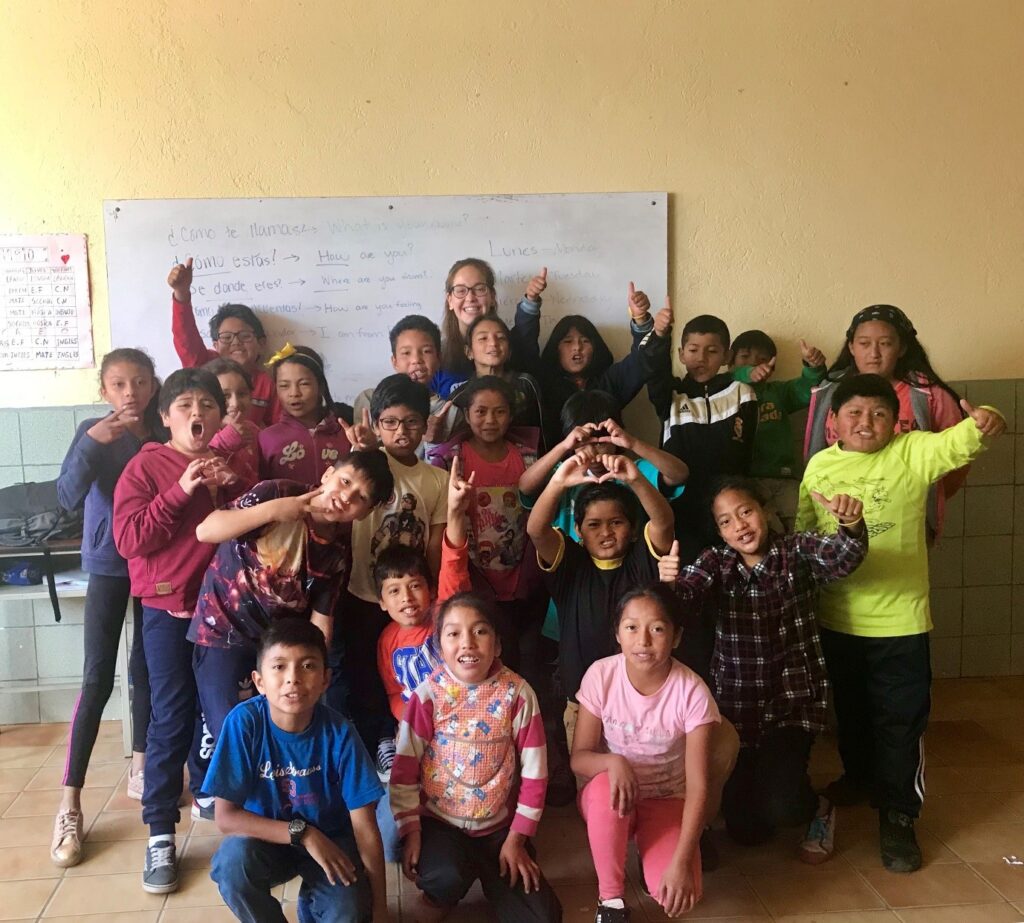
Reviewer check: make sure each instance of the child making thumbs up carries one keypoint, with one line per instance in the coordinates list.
(767, 670)
(774, 465)
(875, 624)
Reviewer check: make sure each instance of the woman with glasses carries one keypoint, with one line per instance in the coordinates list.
(236, 333)
(469, 290)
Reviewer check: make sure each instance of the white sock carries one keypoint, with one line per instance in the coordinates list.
(205, 802)
(163, 838)
(615, 902)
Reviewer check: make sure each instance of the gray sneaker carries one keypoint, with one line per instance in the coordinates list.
(160, 875)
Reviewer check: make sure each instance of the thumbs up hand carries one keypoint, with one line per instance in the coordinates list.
(763, 371)
(537, 284)
(639, 303)
(989, 422)
(668, 566)
(180, 281)
(811, 355)
(663, 320)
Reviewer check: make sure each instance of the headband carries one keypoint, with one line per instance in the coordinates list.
(888, 313)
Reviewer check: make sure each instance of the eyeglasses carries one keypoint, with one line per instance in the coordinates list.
(461, 291)
(243, 336)
(392, 423)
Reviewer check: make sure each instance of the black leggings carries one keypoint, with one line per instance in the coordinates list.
(105, 602)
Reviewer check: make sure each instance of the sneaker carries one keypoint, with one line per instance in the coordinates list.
(66, 848)
(385, 757)
(160, 874)
(612, 914)
(819, 843)
(135, 780)
(900, 852)
(708, 851)
(845, 792)
(202, 808)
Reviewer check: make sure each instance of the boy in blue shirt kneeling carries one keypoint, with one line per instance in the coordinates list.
(297, 791)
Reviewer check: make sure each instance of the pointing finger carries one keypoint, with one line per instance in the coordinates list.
(771, 362)
(674, 550)
(544, 273)
(803, 344)
(471, 478)
(632, 290)
(968, 408)
(443, 412)
(456, 472)
(188, 263)
(366, 416)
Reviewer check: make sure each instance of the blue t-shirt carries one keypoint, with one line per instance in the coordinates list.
(320, 774)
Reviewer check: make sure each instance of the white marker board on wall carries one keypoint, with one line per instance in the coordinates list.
(337, 273)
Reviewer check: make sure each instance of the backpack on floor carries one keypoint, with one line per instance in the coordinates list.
(31, 514)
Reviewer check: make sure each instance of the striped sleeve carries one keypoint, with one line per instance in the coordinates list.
(528, 730)
(415, 731)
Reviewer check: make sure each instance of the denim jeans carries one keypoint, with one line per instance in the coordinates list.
(247, 869)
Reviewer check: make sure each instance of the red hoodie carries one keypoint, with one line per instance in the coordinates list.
(155, 528)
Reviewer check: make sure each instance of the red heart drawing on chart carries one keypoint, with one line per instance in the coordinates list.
(64, 257)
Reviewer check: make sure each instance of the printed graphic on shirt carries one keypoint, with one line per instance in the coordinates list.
(872, 492)
(402, 527)
(284, 778)
(769, 413)
(293, 452)
(497, 538)
(412, 665)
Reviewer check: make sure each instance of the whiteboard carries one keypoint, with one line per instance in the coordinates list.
(336, 273)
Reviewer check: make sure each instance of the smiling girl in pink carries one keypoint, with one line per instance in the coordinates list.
(468, 783)
(642, 739)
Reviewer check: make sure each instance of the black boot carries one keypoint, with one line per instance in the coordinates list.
(900, 852)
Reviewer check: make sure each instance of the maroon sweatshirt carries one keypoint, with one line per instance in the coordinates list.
(155, 527)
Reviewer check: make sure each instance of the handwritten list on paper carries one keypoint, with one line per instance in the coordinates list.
(45, 314)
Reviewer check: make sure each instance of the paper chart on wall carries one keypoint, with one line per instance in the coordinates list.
(45, 316)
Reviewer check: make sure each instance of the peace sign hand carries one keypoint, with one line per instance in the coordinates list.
(434, 431)
(110, 428)
(360, 435)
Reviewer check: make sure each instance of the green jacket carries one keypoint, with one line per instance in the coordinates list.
(774, 445)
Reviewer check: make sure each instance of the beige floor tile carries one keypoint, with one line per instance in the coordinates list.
(33, 735)
(198, 915)
(23, 757)
(778, 856)
(26, 831)
(20, 862)
(972, 913)
(45, 803)
(199, 851)
(972, 808)
(119, 800)
(14, 780)
(563, 851)
(132, 916)
(860, 817)
(726, 894)
(815, 890)
(981, 842)
(195, 889)
(102, 775)
(1008, 778)
(947, 780)
(21, 900)
(124, 825)
(105, 751)
(579, 903)
(936, 885)
(102, 894)
(860, 848)
(853, 916)
(7, 799)
(1008, 880)
(108, 857)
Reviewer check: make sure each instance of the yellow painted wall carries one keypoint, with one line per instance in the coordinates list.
(820, 155)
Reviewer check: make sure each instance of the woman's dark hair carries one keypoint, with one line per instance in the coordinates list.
(463, 398)
(310, 359)
(399, 390)
(661, 594)
(373, 465)
(609, 490)
(589, 407)
(184, 380)
(151, 412)
(292, 631)
(913, 367)
(851, 386)
(243, 312)
(468, 600)
(601, 360)
(453, 346)
(221, 366)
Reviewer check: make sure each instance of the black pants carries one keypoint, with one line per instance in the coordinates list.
(770, 787)
(356, 687)
(106, 599)
(882, 691)
(451, 860)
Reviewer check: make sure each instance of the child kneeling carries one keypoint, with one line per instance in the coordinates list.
(642, 739)
(296, 786)
(468, 783)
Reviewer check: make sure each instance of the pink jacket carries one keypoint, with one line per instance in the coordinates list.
(289, 450)
(155, 527)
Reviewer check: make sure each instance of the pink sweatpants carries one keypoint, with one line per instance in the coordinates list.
(653, 823)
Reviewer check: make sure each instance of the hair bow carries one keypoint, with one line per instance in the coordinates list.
(283, 353)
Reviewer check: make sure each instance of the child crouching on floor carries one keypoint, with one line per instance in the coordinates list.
(467, 787)
(296, 793)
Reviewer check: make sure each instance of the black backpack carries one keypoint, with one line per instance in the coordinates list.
(31, 514)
